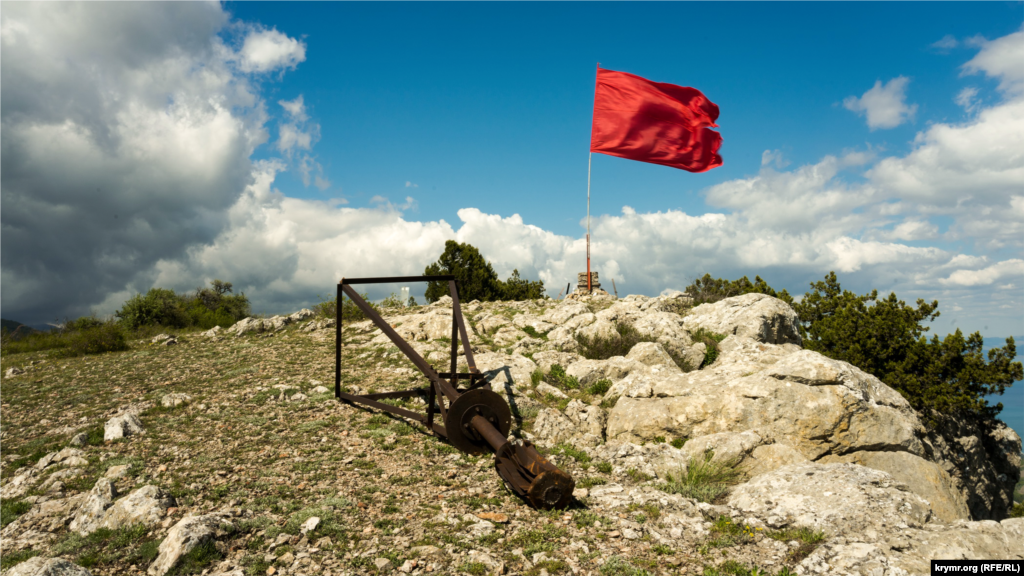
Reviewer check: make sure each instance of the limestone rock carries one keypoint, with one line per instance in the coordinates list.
(656, 460)
(212, 332)
(500, 369)
(41, 566)
(545, 389)
(146, 506)
(589, 421)
(758, 316)
(189, 532)
(89, 516)
(122, 426)
(548, 358)
(552, 427)
(79, 439)
(926, 479)
(20, 484)
(614, 368)
(14, 371)
(320, 390)
(175, 399)
(301, 315)
(839, 499)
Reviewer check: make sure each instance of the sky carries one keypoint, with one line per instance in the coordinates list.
(282, 146)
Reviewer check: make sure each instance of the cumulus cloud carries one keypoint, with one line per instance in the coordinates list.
(268, 50)
(967, 99)
(148, 193)
(1002, 58)
(1005, 270)
(884, 105)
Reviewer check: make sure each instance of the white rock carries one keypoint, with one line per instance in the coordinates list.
(189, 532)
(545, 389)
(122, 426)
(309, 525)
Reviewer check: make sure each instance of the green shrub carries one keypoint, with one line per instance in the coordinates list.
(9, 510)
(328, 309)
(711, 341)
(618, 566)
(1017, 511)
(600, 387)
(204, 309)
(559, 379)
(107, 337)
(601, 348)
(678, 442)
(15, 557)
(707, 290)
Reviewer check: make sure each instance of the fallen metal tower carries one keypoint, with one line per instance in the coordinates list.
(475, 417)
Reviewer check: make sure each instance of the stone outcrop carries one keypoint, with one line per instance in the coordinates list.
(756, 316)
(122, 426)
(189, 532)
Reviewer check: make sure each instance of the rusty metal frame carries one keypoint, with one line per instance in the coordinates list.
(475, 417)
(443, 385)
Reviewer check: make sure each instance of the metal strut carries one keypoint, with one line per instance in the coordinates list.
(475, 419)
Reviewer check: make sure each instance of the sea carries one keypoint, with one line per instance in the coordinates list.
(1013, 397)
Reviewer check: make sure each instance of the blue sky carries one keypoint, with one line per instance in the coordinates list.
(280, 146)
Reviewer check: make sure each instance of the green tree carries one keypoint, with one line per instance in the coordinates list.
(516, 288)
(886, 339)
(158, 307)
(707, 289)
(476, 277)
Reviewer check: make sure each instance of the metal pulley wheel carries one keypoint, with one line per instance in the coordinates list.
(477, 402)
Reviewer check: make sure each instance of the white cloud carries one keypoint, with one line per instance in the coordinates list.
(945, 43)
(967, 99)
(885, 106)
(409, 184)
(298, 133)
(1007, 269)
(126, 137)
(1002, 58)
(913, 228)
(268, 50)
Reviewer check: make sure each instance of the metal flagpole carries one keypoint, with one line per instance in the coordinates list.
(589, 159)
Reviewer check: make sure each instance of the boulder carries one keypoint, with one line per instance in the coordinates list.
(758, 316)
(911, 551)
(502, 369)
(545, 389)
(183, 537)
(41, 566)
(122, 426)
(614, 368)
(304, 314)
(13, 371)
(839, 499)
(89, 516)
(656, 460)
(552, 427)
(145, 506)
(548, 358)
(589, 421)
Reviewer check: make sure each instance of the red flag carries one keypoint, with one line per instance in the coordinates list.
(654, 122)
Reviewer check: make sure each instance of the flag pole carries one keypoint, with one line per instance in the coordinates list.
(589, 159)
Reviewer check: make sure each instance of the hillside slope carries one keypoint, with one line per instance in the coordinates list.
(243, 445)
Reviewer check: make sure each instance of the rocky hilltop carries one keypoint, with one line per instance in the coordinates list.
(223, 451)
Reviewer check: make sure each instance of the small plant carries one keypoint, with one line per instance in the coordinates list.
(600, 387)
(637, 476)
(678, 442)
(710, 340)
(559, 379)
(536, 377)
(533, 333)
(703, 480)
(589, 481)
(10, 510)
(605, 467)
(618, 566)
(1017, 511)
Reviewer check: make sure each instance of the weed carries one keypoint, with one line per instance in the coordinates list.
(703, 479)
(710, 340)
(600, 387)
(678, 442)
(637, 476)
(605, 467)
(197, 559)
(661, 549)
(559, 379)
(14, 557)
(536, 377)
(589, 481)
(576, 454)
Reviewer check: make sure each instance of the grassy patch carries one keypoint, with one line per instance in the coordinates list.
(9, 510)
(198, 559)
(16, 557)
(703, 479)
(601, 348)
(589, 481)
(542, 539)
(711, 341)
(600, 387)
(559, 379)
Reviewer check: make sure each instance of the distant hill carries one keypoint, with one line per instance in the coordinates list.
(17, 329)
